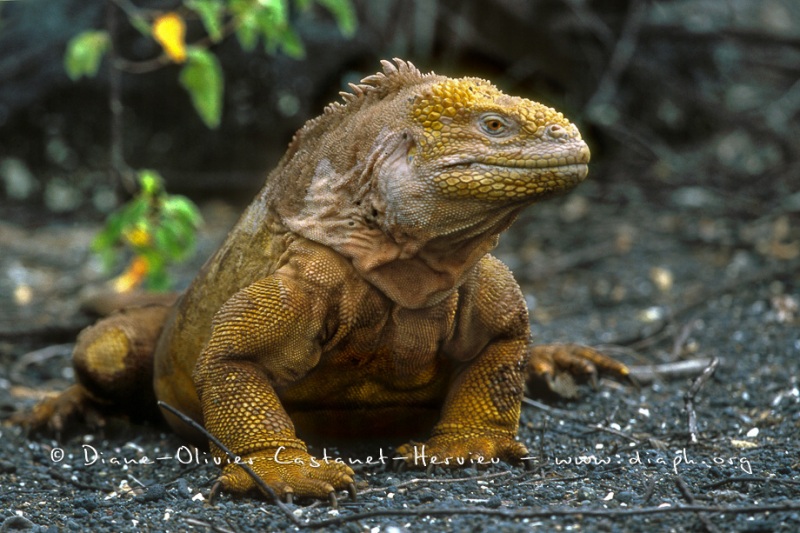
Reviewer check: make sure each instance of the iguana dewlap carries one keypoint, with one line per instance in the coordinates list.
(356, 294)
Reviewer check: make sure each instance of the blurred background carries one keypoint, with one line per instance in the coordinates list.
(691, 109)
(698, 98)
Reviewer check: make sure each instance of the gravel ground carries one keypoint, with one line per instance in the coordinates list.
(659, 279)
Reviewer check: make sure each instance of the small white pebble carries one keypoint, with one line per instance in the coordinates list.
(662, 278)
(298, 512)
(615, 426)
(390, 495)
(333, 512)
(198, 497)
(663, 505)
(652, 314)
(608, 497)
(753, 433)
(134, 446)
(777, 400)
(23, 295)
(644, 412)
(598, 446)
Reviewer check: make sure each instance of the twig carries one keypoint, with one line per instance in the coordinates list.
(620, 58)
(749, 479)
(571, 260)
(119, 168)
(649, 373)
(206, 525)
(552, 411)
(649, 490)
(519, 514)
(616, 432)
(680, 339)
(256, 478)
(689, 497)
(559, 479)
(561, 415)
(37, 357)
(149, 65)
(692, 392)
(421, 480)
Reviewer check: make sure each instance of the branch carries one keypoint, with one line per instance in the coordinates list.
(260, 482)
(559, 512)
(692, 392)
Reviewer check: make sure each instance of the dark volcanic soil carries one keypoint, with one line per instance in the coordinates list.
(658, 277)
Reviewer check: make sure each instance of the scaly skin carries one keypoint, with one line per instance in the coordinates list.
(356, 295)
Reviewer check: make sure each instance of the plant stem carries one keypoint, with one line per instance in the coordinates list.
(118, 167)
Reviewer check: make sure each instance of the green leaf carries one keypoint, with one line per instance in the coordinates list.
(181, 208)
(155, 226)
(151, 182)
(110, 235)
(134, 212)
(343, 13)
(167, 242)
(210, 12)
(157, 277)
(270, 26)
(158, 280)
(202, 78)
(245, 16)
(277, 10)
(84, 53)
(175, 241)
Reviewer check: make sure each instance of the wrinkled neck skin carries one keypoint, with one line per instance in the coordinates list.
(400, 233)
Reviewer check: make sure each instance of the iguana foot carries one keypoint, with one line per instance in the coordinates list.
(455, 451)
(291, 473)
(55, 414)
(559, 366)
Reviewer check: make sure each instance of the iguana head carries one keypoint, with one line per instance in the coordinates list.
(476, 142)
(415, 175)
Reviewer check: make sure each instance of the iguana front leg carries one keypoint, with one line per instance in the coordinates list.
(265, 336)
(480, 417)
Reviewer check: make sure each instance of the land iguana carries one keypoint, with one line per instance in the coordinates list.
(356, 295)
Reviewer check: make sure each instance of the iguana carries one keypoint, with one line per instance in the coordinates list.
(356, 295)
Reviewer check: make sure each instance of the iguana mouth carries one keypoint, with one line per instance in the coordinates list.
(486, 164)
(578, 156)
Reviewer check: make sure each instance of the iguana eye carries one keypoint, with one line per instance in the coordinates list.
(494, 125)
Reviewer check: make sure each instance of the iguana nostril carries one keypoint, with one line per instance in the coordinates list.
(554, 131)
